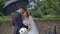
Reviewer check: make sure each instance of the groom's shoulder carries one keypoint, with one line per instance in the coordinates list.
(16, 14)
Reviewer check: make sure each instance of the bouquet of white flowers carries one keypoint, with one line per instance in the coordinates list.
(23, 31)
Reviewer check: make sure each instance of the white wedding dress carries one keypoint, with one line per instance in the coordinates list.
(32, 26)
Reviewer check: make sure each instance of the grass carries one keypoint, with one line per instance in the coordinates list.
(45, 18)
(5, 19)
(8, 19)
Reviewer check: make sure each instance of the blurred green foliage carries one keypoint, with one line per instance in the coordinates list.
(2, 4)
(48, 8)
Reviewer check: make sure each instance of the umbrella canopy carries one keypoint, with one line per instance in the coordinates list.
(13, 5)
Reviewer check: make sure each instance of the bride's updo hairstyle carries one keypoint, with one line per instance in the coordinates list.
(30, 13)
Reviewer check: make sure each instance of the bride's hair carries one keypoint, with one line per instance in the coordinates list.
(30, 13)
(27, 14)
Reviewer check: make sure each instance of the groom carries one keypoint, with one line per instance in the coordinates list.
(17, 20)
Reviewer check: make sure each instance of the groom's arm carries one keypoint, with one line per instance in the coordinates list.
(17, 21)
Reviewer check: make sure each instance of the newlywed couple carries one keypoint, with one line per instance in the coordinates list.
(26, 21)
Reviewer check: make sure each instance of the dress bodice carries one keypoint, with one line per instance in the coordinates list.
(25, 22)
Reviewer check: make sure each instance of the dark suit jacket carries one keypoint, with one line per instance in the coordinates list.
(17, 20)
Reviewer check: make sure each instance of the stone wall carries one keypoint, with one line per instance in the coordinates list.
(43, 26)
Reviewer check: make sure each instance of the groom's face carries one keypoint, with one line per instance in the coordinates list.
(22, 11)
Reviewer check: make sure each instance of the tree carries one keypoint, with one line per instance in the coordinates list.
(1, 5)
(48, 7)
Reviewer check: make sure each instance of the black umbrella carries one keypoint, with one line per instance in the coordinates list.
(13, 5)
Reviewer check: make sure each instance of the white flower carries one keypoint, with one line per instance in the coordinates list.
(23, 31)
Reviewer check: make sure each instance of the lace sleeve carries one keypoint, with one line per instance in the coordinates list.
(29, 24)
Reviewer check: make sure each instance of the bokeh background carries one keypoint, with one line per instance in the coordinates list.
(46, 14)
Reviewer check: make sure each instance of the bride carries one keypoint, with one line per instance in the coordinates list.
(28, 20)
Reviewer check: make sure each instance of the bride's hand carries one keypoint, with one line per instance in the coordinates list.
(29, 29)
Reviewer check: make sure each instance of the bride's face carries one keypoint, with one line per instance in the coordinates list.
(24, 15)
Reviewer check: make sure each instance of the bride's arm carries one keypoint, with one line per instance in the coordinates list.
(29, 25)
